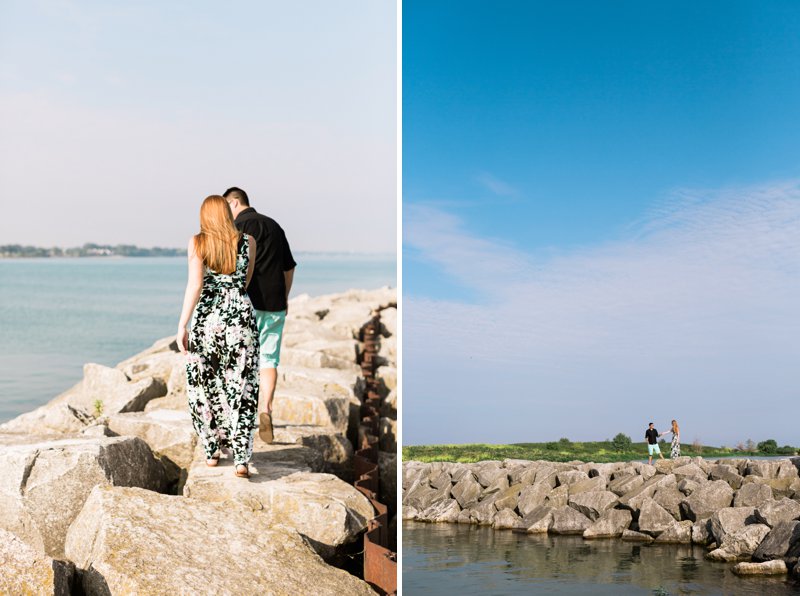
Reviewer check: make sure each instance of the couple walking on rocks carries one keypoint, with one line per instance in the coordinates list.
(651, 436)
(240, 273)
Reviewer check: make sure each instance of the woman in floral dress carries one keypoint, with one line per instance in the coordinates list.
(222, 347)
(675, 447)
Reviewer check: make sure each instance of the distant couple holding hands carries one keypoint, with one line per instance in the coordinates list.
(651, 436)
(240, 273)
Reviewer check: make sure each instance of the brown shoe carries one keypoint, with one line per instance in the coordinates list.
(265, 428)
(242, 471)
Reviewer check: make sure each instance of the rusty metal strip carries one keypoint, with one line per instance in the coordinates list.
(380, 563)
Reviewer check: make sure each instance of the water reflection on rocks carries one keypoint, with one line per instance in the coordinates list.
(464, 559)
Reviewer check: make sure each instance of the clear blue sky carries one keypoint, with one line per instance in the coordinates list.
(121, 117)
(599, 196)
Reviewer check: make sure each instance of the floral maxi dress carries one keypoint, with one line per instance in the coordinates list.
(222, 365)
(675, 446)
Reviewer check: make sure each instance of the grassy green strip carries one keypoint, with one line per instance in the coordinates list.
(561, 451)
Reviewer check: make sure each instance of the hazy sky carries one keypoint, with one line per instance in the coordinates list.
(117, 119)
(601, 220)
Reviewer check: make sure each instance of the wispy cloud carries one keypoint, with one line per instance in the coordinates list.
(697, 308)
(495, 185)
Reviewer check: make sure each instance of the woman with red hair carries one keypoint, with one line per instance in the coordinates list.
(222, 347)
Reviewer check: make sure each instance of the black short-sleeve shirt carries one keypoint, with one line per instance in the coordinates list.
(267, 289)
(651, 435)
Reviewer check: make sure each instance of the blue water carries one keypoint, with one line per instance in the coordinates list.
(445, 559)
(57, 314)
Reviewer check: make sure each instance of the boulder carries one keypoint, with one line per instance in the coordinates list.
(783, 541)
(611, 524)
(326, 510)
(51, 418)
(567, 477)
(334, 448)
(597, 483)
(169, 433)
(728, 520)
(312, 407)
(689, 471)
(45, 482)
(538, 521)
(687, 486)
(777, 567)
(669, 497)
(625, 484)
(121, 532)
(558, 497)
(634, 536)
(506, 519)
(680, 532)
(707, 499)
(740, 544)
(489, 473)
(532, 496)
(25, 570)
(752, 495)
(446, 511)
(567, 520)
(113, 392)
(701, 532)
(727, 473)
(774, 512)
(653, 518)
(467, 491)
(592, 504)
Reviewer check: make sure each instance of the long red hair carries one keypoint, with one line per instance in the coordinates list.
(218, 239)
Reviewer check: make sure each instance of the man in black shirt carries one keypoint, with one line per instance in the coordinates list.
(651, 435)
(269, 293)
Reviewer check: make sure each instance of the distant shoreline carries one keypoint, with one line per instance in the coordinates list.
(18, 251)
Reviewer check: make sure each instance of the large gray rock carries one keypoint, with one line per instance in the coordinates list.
(612, 523)
(489, 472)
(467, 491)
(45, 482)
(595, 484)
(690, 471)
(774, 512)
(679, 532)
(538, 521)
(633, 500)
(740, 544)
(625, 484)
(593, 503)
(707, 499)
(727, 473)
(567, 520)
(169, 433)
(752, 495)
(777, 567)
(311, 408)
(24, 570)
(567, 477)
(51, 418)
(446, 511)
(111, 389)
(653, 518)
(670, 498)
(782, 541)
(334, 448)
(121, 532)
(729, 520)
(506, 519)
(326, 510)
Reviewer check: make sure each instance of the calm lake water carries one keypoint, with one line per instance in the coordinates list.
(57, 314)
(458, 559)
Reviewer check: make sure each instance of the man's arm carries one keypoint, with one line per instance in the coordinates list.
(288, 278)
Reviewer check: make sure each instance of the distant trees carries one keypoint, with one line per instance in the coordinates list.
(769, 447)
(621, 442)
(88, 250)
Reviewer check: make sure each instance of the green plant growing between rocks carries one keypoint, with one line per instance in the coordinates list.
(98, 408)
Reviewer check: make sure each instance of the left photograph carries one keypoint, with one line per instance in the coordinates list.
(198, 298)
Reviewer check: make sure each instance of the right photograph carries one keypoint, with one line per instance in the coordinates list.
(600, 290)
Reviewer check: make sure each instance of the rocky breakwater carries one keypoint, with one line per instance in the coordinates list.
(743, 512)
(105, 490)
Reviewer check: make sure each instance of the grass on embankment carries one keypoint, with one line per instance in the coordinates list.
(561, 451)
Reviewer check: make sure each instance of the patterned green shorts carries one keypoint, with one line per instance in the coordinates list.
(270, 333)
